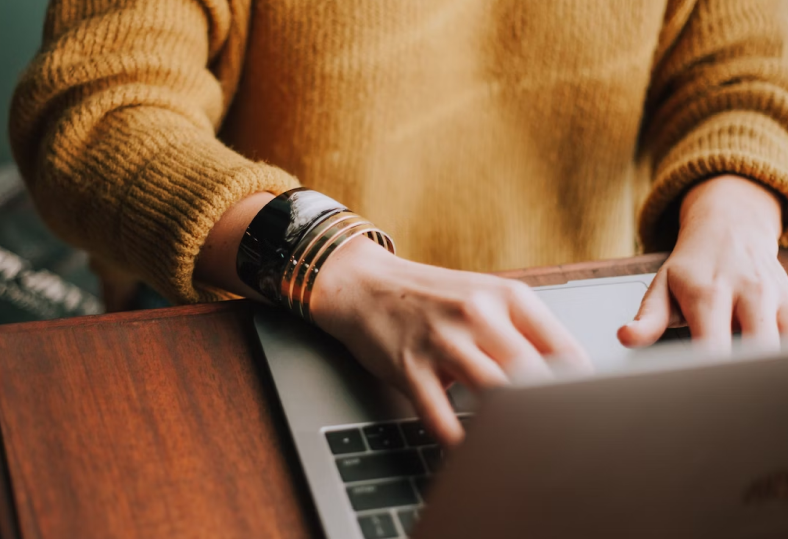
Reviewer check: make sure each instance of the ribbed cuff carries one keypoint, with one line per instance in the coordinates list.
(744, 143)
(171, 207)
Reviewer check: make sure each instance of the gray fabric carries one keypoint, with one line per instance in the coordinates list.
(40, 276)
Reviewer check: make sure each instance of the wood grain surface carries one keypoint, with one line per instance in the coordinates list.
(152, 424)
(160, 423)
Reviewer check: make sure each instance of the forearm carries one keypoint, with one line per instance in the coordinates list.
(216, 262)
(733, 199)
(705, 119)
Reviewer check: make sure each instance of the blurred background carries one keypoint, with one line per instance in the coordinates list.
(40, 277)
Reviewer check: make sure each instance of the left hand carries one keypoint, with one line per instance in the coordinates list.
(723, 273)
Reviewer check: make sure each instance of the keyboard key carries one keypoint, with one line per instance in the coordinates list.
(378, 526)
(681, 334)
(384, 437)
(380, 495)
(408, 518)
(433, 456)
(345, 441)
(380, 466)
(416, 434)
(422, 483)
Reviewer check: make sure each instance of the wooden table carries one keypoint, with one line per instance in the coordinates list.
(160, 423)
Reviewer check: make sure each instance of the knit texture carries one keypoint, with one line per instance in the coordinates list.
(482, 135)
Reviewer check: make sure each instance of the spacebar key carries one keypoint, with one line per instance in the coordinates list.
(380, 495)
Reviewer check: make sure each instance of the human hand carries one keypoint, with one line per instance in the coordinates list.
(421, 327)
(723, 273)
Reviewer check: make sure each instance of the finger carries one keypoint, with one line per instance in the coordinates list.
(512, 351)
(652, 318)
(537, 323)
(782, 304)
(475, 369)
(433, 407)
(782, 318)
(709, 314)
(446, 379)
(757, 318)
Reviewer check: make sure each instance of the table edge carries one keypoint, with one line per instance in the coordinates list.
(560, 273)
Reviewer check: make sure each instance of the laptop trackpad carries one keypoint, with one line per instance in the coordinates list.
(592, 313)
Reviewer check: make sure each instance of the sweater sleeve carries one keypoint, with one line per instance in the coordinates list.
(718, 104)
(114, 125)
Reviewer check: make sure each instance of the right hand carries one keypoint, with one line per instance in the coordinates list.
(422, 327)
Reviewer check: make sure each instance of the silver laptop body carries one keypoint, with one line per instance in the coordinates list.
(698, 449)
(325, 395)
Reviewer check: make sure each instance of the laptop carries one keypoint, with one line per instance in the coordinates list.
(656, 445)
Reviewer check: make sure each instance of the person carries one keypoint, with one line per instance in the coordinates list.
(481, 135)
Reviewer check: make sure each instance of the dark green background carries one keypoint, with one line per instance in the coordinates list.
(21, 22)
(23, 235)
(22, 232)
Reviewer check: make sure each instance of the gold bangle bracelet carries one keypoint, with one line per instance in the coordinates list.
(300, 259)
(313, 250)
(340, 234)
(318, 230)
(340, 239)
(298, 280)
(315, 245)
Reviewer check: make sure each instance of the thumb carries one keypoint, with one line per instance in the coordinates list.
(653, 317)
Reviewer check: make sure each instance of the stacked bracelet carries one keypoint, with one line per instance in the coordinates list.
(291, 238)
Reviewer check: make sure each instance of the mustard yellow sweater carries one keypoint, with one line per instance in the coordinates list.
(482, 134)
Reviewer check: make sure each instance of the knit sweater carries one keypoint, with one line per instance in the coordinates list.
(481, 134)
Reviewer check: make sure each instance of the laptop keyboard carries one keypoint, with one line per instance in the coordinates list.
(675, 334)
(386, 469)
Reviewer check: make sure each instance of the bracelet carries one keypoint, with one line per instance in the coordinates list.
(301, 260)
(298, 289)
(290, 239)
(273, 235)
(341, 238)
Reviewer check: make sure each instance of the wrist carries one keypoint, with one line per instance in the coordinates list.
(352, 269)
(215, 263)
(289, 241)
(732, 201)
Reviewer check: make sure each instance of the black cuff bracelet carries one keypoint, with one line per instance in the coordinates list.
(273, 235)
